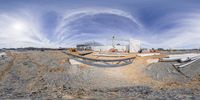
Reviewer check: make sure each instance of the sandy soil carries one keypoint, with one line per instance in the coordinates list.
(49, 75)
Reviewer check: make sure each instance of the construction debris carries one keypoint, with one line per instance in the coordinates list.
(2, 54)
(147, 54)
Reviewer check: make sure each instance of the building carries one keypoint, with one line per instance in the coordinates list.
(87, 46)
(82, 47)
(132, 46)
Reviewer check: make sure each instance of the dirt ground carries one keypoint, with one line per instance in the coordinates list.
(49, 75)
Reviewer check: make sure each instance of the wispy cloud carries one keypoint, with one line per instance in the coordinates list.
(22, 28)
(64, 32)
(31, 34)
(183, 33)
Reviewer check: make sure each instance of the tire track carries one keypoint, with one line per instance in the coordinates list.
(8, 66)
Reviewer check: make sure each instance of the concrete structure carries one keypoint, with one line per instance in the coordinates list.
(108, 47)
(131, 46)
(82, 47)
(134, 46)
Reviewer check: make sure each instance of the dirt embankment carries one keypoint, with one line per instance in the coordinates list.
(6, 66)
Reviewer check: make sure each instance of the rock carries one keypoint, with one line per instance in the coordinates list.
(67, 97)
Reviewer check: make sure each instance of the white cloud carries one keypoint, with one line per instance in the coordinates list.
(185, 32)
(23, 29)
(63, 30)
(20, 30)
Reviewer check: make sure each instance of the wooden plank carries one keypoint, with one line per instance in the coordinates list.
(105, 55)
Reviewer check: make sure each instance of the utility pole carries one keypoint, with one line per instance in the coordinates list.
(113, 38)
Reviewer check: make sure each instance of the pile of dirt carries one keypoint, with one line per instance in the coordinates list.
(167, 73)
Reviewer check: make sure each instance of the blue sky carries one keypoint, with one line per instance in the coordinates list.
(64, 23)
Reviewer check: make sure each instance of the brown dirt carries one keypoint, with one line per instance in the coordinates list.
(8, 66)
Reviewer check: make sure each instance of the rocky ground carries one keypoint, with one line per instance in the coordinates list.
(49, 75)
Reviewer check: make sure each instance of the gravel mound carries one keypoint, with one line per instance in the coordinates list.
(165, 71)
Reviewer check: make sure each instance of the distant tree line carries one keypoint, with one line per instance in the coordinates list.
(33, 48)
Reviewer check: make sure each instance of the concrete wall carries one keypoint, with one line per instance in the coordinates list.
(134, 46)
(108, 47)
